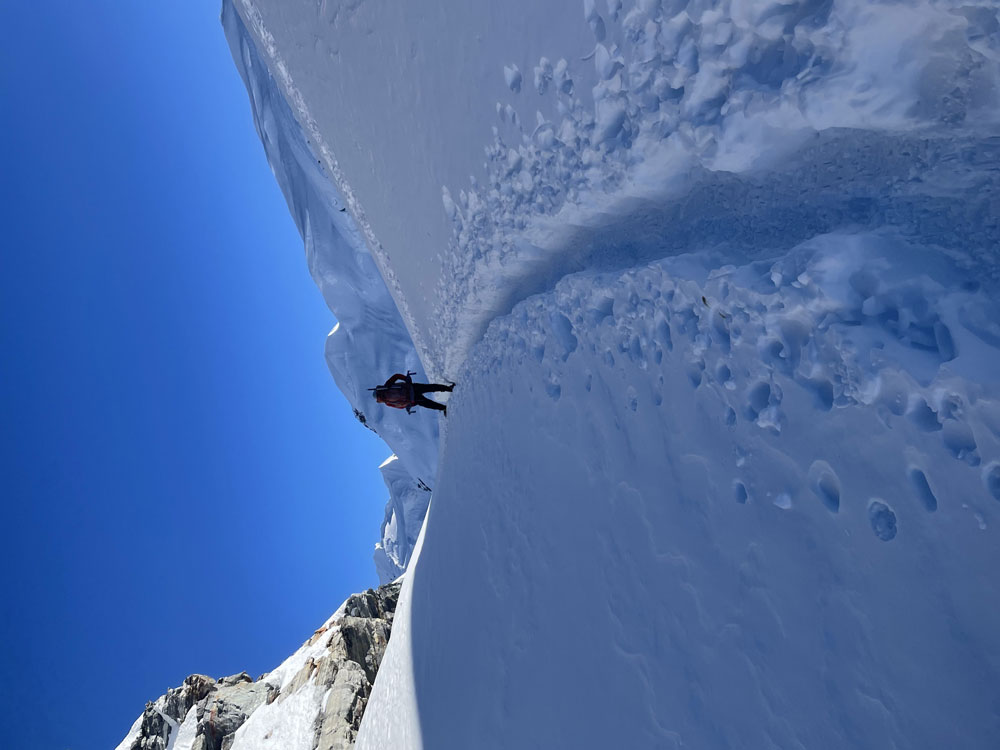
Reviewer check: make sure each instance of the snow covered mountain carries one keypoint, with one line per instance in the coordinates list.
(315, 699)
(723, 465)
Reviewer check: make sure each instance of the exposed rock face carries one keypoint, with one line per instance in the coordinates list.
(344, 657)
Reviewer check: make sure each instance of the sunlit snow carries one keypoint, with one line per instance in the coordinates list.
(718, 283)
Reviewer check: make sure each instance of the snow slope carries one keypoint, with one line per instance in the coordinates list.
(723, 465)
(765, 518)
(723, 470)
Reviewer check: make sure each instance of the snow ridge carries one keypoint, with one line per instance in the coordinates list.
(370, 340)
(277, 67)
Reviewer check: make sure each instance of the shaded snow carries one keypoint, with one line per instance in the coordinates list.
(728, 327)
(695, 520)
(392, 718)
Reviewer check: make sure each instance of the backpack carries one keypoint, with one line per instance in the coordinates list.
(397, 395)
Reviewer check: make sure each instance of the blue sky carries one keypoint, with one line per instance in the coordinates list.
(184, 489)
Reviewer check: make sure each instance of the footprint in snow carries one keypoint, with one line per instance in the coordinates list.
(758, 398)
(772, 353)
(512, 77)
(882, 519)
(694, 372)
(924, 492)
(825, 484)
(991, 479)
(740, 492)
(959, 441)
(662, 334)
(725, 376)
(923, 416)
(822, 391)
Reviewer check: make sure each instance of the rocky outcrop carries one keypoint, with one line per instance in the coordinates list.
(334, 669)
(164, 715)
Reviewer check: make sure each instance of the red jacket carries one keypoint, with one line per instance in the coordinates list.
(398, 395)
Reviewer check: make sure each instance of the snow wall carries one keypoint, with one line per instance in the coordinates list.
(370, 340)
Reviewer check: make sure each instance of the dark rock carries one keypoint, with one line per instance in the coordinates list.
(154, 730)
(235, 679)
(354, 647)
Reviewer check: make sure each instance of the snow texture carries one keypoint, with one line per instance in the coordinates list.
(723, 465)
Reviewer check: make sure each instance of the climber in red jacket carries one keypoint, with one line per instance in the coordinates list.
(400, 392)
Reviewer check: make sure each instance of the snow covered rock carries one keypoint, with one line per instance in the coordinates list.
(216, 710)
(314, 700)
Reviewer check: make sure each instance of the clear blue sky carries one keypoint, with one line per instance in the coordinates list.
(183, 487)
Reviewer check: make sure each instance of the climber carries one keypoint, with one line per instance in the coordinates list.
(400, 392)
